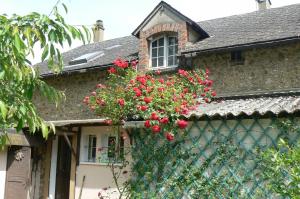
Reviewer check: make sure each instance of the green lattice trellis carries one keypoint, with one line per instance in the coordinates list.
(212, 159)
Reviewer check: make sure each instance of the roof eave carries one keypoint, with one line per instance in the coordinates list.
(246, 45)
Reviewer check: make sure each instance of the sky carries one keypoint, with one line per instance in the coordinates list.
(121, 17)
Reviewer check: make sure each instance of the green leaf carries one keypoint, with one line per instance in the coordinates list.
(18, 42)
(45, 130)
(65, 7)
(3, 109)
(45, 52)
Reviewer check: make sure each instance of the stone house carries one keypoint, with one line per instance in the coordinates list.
(254, 60)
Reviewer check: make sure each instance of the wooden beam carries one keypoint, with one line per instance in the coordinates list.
(73, 169)
(47, 163)
(69, 144)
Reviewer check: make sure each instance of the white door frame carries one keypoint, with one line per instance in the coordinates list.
(52, 182)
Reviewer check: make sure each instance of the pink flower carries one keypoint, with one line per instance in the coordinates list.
(182, 124)
(147, 99)
(154, 116)
(112, 70)
(121, 102)
(144, 108)
(164, 120)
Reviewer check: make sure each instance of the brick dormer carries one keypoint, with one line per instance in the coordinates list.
(162, 35)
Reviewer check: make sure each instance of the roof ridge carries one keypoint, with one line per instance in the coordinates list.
(247, 13)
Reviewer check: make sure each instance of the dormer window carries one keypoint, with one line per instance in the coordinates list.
(163, 51)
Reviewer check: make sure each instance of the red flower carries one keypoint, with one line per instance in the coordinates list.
(213, 93)
(154, 116)
(134, 63)
(108, 122)
(147, 99)
(121, 102)
(206, 89)
(203, 94)
(100, 86)
(160, 89)
(147, 124)
(182, 124)
(121, 63)
(182, 72)
(144, 108)
(161, 80)
(155, 129)
(132, 81)
(94, 93)
(170, 136)
(86, 100)
(206, 100)
(207, 71)
(164, 120)
(112, 70)
(137, 91)
(157, 72)
(141, 79)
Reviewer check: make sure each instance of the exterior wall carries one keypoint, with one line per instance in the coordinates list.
(265, 69)
(76, 87)
(3, 160)
(97, 175)
(179, 28)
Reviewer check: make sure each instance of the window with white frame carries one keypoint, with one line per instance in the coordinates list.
(163, 51)
(92, 148)
(102, 148)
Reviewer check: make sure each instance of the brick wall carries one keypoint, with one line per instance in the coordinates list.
(178, 28)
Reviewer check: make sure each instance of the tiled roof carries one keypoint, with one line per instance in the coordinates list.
(233, 31)
(250, 106)
(255, 27)
(120, 47)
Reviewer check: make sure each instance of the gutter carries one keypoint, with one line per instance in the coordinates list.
(193, 53)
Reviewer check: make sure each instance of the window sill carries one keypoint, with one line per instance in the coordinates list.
(163, 69)
(99, 164)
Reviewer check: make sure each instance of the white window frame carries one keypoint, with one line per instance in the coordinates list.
(166, 52)
(101, 157)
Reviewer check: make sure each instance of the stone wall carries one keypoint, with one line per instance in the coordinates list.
(76, 87)
(265, 69)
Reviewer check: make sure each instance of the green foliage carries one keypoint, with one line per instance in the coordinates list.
(174, 170)
(281, 165)
(18, 79)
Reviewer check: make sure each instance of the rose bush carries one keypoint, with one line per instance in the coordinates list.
(160, 101)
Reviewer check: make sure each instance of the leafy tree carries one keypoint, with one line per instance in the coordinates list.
(18, 79)
(281, 169)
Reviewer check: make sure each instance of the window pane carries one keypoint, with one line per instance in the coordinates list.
(154, 43)
(92, 148)
(154, 52)
(171, 61)
(154, 62)
(161, 42)
(176, 60)
(161, 51)
(171, 40)
(111, 147)
(176, 49)
(171, 50)
(161, 61)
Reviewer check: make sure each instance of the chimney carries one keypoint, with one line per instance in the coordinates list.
(263, 4)
(98, 31)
